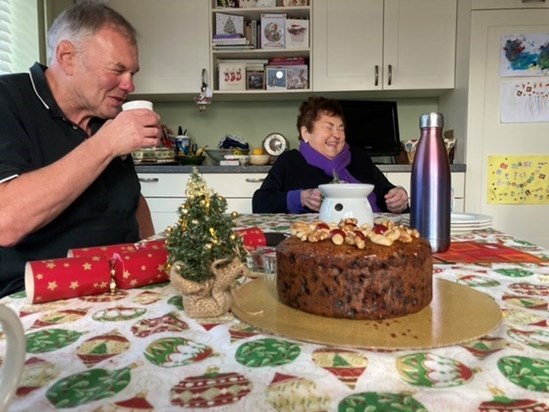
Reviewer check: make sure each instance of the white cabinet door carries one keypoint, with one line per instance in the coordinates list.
(165, 192)
(508, 4)
(347, 45)
(384, 44)
(173, 43)
(419, 44)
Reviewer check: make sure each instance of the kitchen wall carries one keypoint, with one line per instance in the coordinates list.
(255, 120)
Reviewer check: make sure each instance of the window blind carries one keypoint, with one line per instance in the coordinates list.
(18, 35)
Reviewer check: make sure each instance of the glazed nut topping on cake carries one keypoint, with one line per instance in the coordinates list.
(349, 232)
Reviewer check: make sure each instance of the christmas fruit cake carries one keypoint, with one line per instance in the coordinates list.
(348, 271)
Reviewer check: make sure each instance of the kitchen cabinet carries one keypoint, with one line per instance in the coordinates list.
(165, 192)
(458, 186)
(254, 13)
(508, 4)
(383, 45)
(490, 135)
(173, 44)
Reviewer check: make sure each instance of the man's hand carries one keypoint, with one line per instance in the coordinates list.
(131, 130)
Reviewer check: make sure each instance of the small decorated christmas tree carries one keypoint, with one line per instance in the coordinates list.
(204, 233)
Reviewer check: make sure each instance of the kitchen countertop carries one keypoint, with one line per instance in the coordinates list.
(260, 169)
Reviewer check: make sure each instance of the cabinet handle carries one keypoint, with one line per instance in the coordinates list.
(533, 1)
(255, 180)
(377, 75)
(148, 179)
(390, 76)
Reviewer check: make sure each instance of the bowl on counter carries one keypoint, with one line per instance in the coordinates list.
(190, 160)
(260, 159)
(219, 154)
(153, 155)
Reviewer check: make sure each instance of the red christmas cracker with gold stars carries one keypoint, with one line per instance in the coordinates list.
(54, 279)
(94, 270)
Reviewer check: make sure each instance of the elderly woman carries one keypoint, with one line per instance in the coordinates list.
(291, 185)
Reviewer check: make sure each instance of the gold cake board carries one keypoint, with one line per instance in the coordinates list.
(457, 314)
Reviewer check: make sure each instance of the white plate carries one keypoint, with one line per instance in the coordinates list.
(461, 222)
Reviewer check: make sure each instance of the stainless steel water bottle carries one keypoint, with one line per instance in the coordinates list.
(430, 194)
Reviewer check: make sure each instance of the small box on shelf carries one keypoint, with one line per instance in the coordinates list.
(229, 24)
(297, 77)
(232, 76)
(226, 3)
(266, 3)
(297, 33)
(247, 3)
(294, 3)
(276, 78)
(273, 31)
(255, 80)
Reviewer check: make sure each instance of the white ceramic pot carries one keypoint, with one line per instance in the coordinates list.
(346, 200)
(14, 358)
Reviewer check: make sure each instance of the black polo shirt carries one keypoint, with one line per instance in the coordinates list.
(34, 133)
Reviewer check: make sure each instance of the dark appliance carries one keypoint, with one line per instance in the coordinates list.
(372, 125)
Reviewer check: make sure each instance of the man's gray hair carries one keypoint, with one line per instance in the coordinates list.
(84, 20)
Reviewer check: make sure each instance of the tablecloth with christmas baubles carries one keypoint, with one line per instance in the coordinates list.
(136, 350)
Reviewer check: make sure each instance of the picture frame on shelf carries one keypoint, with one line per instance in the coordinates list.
(255, 80)
(247, 3)
(295, 3)
(297, 33)
(273, 28)
(232, 76)
(226, 3)
(276, 78)
(297, 77)
(266, 3)
(229, 24)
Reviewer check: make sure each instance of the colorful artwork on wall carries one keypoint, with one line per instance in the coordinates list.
(518, 179)
(525, 54)
(525, 101)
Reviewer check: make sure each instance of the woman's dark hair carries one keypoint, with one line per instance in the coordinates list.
(311, 109)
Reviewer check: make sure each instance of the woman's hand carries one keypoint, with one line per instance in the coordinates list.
(397, 199)
(311, 198)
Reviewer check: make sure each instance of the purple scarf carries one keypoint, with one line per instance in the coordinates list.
(337, 165)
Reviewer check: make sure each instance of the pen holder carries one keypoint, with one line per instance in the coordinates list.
(183, 144)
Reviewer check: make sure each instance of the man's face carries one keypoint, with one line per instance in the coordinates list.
(104, 73)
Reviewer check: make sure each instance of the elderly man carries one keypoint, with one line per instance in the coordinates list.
(66, 179)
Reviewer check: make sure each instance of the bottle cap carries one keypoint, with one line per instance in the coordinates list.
(431, 120)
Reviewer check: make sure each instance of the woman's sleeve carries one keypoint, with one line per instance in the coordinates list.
(271, 196)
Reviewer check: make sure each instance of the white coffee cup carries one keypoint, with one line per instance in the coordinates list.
(137, 104)
(14, 358)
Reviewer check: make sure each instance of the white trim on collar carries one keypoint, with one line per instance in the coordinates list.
(8, 178)
(36, 92)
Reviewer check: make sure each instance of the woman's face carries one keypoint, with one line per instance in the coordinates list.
(327, 136)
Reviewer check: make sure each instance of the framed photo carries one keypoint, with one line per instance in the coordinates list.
(266, 3)
(294, 3)
(272, 31)
(226, 3)
(297, 77)
(232, 76)
(297, 33)
(255, 80)
(247, 3)
(277, 78)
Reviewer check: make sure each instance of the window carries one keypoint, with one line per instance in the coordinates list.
(18, 35)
